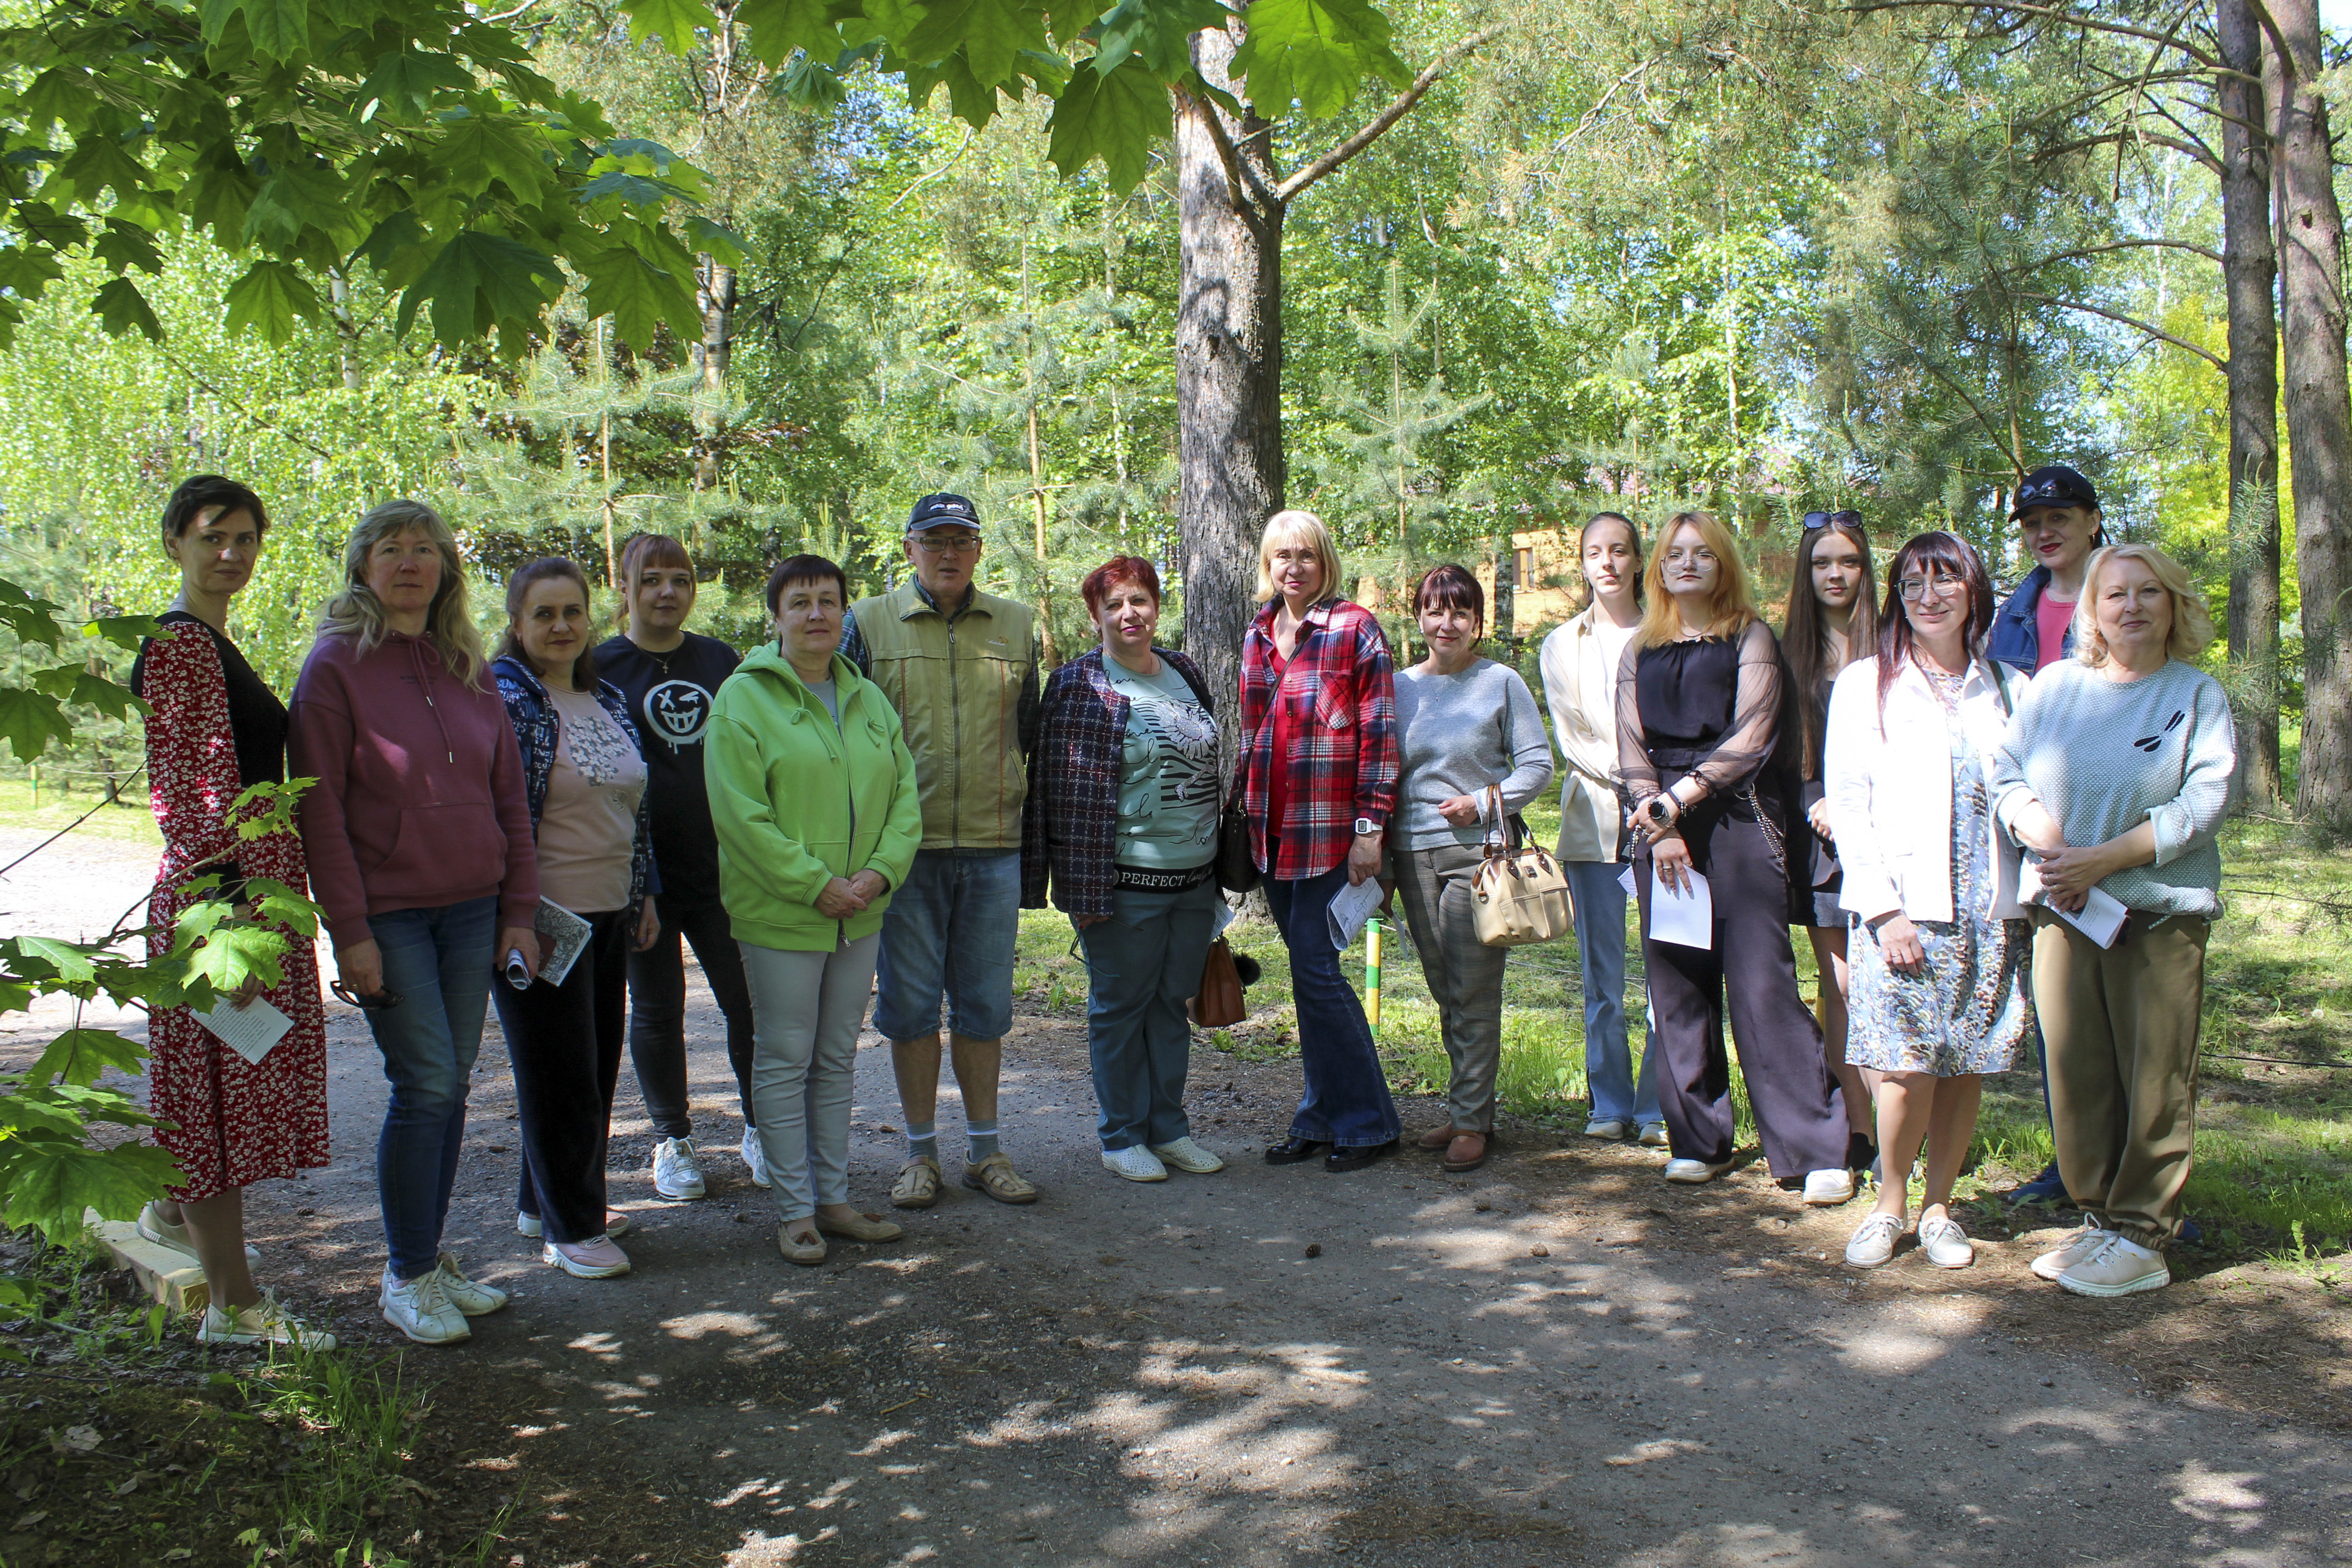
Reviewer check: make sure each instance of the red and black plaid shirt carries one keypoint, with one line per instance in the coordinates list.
(1339, 695)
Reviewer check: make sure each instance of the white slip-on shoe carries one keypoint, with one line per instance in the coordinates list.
(1187, 1155)
(1945, 1244)
(418, 1309)
(264, 1322)
(1873, 1242)
(755, 1159)
(677, 1173)
(153, 1226)
(471, 1297)
(592, 1260)
(2119, 1266)
(2079, 1246)
(1616, 1129)
(1694, 1171)
(1656, 1136)
(1827, 1190)
(1134, 1161)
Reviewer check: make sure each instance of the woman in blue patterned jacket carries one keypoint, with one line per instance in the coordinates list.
(1121, 817)
(584, 775)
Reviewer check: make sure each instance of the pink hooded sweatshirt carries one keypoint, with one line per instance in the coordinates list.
(419, 802)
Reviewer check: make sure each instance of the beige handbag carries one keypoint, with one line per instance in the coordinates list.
(1519, 896)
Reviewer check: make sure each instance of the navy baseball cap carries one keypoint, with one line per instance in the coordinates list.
(942, 511)
(2054, 484)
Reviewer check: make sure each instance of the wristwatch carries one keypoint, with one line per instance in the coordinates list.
(1366, 825)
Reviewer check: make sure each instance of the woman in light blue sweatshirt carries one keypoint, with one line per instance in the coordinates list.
(2116, 772)
(1465, 726)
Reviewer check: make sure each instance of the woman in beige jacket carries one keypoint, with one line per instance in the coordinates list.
(1580, 676)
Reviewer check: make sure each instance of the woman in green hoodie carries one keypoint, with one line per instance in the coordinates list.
(813, 794)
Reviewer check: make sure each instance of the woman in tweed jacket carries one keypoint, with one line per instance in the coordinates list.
(1121, 820)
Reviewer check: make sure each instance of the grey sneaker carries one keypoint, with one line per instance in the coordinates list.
(1616, 1129)
(418, 1309)
(677, 1175)
(1873, 1242)
(1656, 1136)
(1945, 1244)
(755, 1158)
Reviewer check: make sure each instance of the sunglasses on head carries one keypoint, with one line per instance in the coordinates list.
(2048, 492)
(1832, 519)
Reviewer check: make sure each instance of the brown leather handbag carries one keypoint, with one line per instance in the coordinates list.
(1219, 1001)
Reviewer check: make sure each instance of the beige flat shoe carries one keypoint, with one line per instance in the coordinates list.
(808, 1254)
(860, 1228)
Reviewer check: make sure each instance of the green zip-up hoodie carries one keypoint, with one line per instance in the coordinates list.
(798, 802)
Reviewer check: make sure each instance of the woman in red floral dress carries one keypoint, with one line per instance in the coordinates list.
(214, 729)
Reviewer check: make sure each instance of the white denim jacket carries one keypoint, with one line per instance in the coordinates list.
(1889, 790)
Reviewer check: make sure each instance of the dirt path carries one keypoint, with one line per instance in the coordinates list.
(1556, 1360)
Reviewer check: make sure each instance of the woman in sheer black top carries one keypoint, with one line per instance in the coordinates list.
(1699, 705)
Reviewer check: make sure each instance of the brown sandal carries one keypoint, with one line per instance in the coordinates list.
(1466, 1151)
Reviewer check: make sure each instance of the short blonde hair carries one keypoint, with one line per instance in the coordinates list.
(2192, 620)
(1730, 609)
(1295, 528)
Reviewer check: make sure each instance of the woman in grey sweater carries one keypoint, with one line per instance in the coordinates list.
(1463, 724)
(2116, 773)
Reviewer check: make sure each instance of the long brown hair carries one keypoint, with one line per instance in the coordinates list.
(1805, 635)
(1938, 550)
(1632, 536)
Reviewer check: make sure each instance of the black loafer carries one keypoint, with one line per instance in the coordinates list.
(1292, 1149)
(1356, 1159)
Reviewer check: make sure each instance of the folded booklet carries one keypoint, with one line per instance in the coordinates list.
(562, 938)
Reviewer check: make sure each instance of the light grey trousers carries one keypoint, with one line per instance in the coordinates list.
(806, 1008)
(1464, 975)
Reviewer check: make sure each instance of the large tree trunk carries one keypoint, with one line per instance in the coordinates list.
(2250, 273)
(1228, 370)
(2319, 408)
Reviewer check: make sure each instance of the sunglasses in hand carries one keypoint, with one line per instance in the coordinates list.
(381, 1001)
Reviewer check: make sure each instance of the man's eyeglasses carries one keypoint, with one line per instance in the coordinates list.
(948, 544)
(1826, 520)
(1915, 589)
(383, 1000)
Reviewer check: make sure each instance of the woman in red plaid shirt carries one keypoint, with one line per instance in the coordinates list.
(1317, 780)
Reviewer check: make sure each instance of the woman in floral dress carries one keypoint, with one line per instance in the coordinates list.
(214, 729)
(1938, 951)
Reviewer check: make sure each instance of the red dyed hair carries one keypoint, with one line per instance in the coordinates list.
(1118, 570)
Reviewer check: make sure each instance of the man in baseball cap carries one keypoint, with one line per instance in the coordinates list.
(961, 669)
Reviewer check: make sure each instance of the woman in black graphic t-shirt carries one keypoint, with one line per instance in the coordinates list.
(669, 674)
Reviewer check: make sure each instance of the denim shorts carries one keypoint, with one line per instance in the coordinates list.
(950, 933)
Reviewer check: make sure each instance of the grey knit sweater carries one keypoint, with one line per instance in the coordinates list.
(1456, 735)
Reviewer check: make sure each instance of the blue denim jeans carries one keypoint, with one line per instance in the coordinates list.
(950, 928)
(439, 962)
(1347, 1100)
(1143, 964)
(1601, 952)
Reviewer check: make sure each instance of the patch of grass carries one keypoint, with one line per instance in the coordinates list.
(130, 821)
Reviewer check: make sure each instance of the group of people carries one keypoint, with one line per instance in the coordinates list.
(859, 807)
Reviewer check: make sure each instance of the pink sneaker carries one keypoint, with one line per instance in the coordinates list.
(596, 1259)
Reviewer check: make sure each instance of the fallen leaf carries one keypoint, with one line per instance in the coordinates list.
(127, 1488)
(31, 1519)
(82, 1439)
(178, 1554)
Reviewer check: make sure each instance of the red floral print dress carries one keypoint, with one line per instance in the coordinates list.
(235, 1122)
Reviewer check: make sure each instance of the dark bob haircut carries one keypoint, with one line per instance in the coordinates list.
(1929, 555)
(1450, 587)
(805, 569)
(205, 492)
(1118, 570)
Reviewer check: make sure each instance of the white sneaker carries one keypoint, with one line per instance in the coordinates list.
(1827, 1190)
(418, 1309)
(1616, 1129)
(1656, 1136)
(615, 1224)
(1694, 1171)
(2051, 1264)
(676, 1173)
(471, 1297)
(264, 1322)
(1945, 1244)
(1187, 1155)
(2117, 1266)
(153, 1226)
(1873, 1242)
(755, 1155)
(596, 1259)
(1134, 1161)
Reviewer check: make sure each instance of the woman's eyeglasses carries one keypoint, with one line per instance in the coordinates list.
(1828, 519)
(1915, 589)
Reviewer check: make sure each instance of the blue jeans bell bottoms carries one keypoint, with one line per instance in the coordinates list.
(1609, 1075)
(1144, 964)
(439, 962)
(1347, 1099)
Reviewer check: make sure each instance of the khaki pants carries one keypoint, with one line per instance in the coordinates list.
(1464, 975)
(2121, 1026)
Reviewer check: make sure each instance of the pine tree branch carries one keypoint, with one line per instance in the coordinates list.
(2158, 333)
(2212, 256)
(1379, 124)
(2072, 18)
